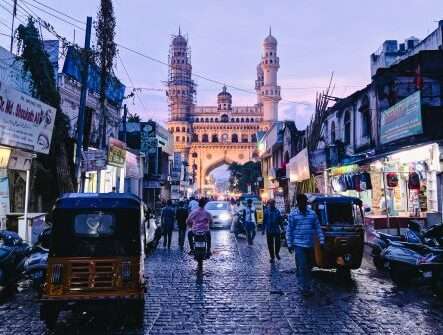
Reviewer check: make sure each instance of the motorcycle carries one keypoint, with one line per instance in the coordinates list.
(408, 261)
(382, 241)
(239, 224)
(13, 252)
(200, 249)
(37, 262)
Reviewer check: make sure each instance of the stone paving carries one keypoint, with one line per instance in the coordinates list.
(242, 293)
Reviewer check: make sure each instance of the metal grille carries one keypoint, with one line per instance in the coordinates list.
(92, 275)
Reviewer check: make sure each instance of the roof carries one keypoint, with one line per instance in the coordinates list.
(179, 40)
(98, 201)
(332, 198)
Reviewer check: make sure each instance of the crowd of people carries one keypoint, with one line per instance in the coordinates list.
(301, 232)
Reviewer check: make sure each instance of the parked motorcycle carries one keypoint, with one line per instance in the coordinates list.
(13, 252)
(37, 262)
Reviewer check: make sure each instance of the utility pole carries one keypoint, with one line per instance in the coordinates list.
(125, 116)
(81, 111)
(14, 13)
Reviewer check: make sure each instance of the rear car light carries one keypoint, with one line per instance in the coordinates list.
(126, 271)
(56, 274)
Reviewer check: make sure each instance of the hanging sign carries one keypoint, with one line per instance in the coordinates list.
(20, 160)
(402, 120)
(25, 122)
(116, 153)
(336, 171)
(93, 160)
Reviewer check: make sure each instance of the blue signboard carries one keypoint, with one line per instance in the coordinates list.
(402, 120)
(115, 90)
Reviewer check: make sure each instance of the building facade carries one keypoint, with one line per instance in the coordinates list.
(209, 136)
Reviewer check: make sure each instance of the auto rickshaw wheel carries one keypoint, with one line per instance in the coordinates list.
(49, 314)
(378, 263)
(344, 274)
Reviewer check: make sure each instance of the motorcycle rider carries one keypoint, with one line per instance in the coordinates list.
(199, 221)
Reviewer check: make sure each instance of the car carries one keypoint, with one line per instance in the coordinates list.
(221, 213)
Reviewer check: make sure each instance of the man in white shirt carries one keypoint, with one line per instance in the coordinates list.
(193, 204)
(250, 221)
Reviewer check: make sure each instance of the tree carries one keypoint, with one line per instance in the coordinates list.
(37, 66)
(134, 117)
(106, 52)
(243, 175)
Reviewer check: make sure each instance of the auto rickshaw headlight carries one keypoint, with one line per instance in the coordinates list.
(56, 274)
(126, 271)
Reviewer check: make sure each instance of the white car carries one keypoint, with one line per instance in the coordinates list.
(221, 213)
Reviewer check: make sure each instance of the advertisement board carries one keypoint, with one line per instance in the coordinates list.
(147, 134)
(402, 120)
(20, 160)
(116, 153)
(298, 167)
(25, 122)
(93, 160)
(132, 166)
(318, 161)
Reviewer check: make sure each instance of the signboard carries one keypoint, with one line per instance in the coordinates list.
(176, 166)
(152, 145)
(5, 153)
(147, 133)
(317, 160)
(115, 90)
(25, 122)
(93, 160)
(402, 120)
(298, 167)
(132, 166)
(20, 160)
(4, 197)
(116, 153)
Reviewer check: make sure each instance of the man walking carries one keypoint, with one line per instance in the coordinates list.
(250, 221)
(272, 221)
(303, 226)
(167, 222)
(181, 215)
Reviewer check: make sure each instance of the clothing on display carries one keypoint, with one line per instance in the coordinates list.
(414, 181)
(351, 182)
(391, 179)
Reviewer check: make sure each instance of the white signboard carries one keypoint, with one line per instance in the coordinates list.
(298, 167)
(132, 166)
(93, 160)
(25, 122)
(20, 160)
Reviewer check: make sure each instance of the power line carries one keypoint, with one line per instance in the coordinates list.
(59, 12)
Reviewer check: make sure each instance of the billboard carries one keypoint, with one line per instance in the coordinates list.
(25, 122)
(132, 166)
(402, 120)
(93, 160)
(115, 90)
(116, 153)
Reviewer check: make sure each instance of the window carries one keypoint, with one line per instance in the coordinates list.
(365, 118)
(244, 138)
(183, 139)
(194, 138)
(232, 120)
(237, 120)
(94, 224)
(332, 132)
(183, 129)
(216, 119)
(347, 128)
(224, 118)
(177, 128)
(212, 119)
(234, 138)
(205, 138)
(177, 139)
(247, 119)
(206, 120)
(242, 120)
(252, 120)
(253, 138)
(215, 138)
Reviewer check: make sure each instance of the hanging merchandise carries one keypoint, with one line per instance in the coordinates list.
(365, 181)
(392, 179)
(342, 182)
(414, 181)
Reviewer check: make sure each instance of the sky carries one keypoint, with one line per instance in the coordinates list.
(315, 38)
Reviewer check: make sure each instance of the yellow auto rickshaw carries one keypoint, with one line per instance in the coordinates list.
(96, 255)
(258, 204)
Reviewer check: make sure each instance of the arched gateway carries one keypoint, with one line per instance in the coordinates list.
(210, 136)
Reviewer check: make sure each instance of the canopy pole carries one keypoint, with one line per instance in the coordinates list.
(26, 204)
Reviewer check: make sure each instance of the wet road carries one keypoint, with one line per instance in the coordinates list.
(242, 293)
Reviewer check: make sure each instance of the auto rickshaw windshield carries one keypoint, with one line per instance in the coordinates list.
(96, 233)
(339, 214)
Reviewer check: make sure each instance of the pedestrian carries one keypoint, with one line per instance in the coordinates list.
(303, 228)
(237, 210)
(250, 221)
(181, 215)
(199, 221)
(193, 204)
(167, 222)
(272, 221)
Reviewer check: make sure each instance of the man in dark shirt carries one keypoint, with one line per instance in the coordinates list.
(167, 221)
(181, 215)
(272, 221)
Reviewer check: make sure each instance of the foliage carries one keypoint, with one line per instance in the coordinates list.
(243, 175)
(36, 64)
(134, 117)
(106, 50)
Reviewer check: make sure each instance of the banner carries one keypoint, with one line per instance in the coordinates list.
(298, 167)
(5, 154)
(132, 166)
(25, 122)
(93, 160)
(4, 197)
(20, 160)
(116, 153)
(402, 120)
(318, 161)
(148, 138)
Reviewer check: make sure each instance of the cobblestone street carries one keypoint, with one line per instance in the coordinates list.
(242, 293)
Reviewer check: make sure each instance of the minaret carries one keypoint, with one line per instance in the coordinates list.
(259, 83)
(270, 91)
(180, 92)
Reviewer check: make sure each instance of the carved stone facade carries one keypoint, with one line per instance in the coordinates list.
(210, 136)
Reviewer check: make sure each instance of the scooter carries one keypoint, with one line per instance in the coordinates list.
(239, 225)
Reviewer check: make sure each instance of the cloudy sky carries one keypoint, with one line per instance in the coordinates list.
(315, 39)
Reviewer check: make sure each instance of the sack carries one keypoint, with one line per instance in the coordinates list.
(392, 179)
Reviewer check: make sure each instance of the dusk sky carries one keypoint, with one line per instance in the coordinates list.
(314, 39)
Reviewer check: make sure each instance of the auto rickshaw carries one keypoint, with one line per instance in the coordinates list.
(96, 256)
(341, 219)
